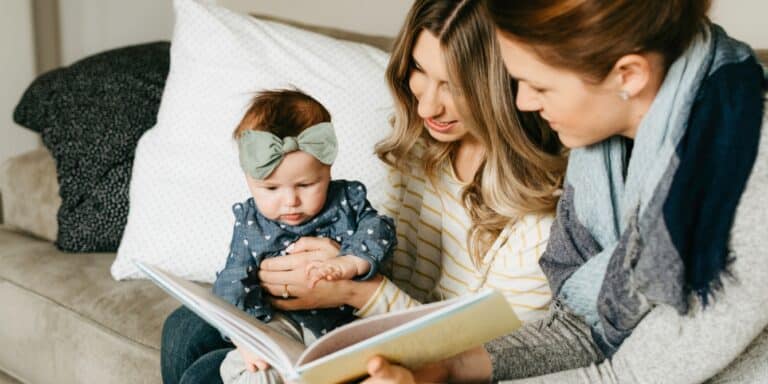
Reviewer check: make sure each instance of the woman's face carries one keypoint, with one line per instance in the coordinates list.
(580, 113)
(430, 84)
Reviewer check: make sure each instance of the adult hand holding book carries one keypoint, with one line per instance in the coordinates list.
(412, 338)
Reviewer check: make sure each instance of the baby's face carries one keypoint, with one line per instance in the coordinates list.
(295, 191)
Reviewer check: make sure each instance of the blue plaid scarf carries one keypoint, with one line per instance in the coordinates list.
(653, 227)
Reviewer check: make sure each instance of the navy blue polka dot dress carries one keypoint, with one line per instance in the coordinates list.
(347, 218)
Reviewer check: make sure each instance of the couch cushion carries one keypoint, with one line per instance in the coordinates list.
(82, 283)
(65, 309)
(30, 193)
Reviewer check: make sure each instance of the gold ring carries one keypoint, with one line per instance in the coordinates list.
(285, 292)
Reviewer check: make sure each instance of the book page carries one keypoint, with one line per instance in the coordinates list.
(275, 347)
(363, 329)
(279, 350)
(422, 335)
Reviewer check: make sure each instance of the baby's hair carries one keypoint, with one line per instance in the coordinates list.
(282, 112)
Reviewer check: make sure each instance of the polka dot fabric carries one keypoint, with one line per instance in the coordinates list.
(186, 174)
(90, 116)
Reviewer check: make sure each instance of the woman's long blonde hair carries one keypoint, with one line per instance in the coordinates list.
(524, 161)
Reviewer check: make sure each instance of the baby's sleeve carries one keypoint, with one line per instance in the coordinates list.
(374, 239)
(228, 284)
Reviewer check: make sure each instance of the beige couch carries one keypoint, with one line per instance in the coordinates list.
(63, 319)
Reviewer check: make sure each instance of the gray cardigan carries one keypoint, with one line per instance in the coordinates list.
(727, 342)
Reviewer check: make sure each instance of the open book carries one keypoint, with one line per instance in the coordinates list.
(412, 337)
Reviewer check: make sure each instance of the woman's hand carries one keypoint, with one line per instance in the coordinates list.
(471, 366)
(382, 371)
(286, 276)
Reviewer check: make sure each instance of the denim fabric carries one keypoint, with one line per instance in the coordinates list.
(205, 370)
(191, 350)
(347, 218)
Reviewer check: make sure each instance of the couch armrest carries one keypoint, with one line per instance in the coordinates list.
(29, 191)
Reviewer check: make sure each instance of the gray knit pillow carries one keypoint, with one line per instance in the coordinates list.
(91, 115)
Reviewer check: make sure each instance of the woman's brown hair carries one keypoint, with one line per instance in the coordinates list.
(524, 162)
(589, 36)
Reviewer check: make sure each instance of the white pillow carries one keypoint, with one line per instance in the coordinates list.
(186, 175)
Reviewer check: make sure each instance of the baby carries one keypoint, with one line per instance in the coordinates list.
(286, 145)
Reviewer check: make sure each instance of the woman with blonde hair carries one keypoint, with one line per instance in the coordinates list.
(473, 188)
(473, 183)
(658, 252)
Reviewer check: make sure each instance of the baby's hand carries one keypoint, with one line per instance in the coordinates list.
(339, 268)
(252, 363)
(323, 270)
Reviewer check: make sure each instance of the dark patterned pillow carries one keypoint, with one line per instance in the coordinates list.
(91, 115)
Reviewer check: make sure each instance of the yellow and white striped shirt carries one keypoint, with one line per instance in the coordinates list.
(431, 261)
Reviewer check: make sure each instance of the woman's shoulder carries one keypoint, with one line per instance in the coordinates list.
(533, 219)
(529, 231)
(531, 226)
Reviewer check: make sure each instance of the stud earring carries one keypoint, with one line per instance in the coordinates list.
(624, 95)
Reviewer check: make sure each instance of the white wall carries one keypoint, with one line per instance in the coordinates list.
(91, 26)
(17, 69)
(746, 20)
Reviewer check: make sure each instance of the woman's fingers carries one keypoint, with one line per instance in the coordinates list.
(325, 294)
(382, 371)
(293, 277)
(285, 263)
(298, 260)
(376, 365)
(289, 269)
(281, 290)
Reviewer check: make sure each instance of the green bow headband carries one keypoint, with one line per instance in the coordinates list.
(261, 152)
